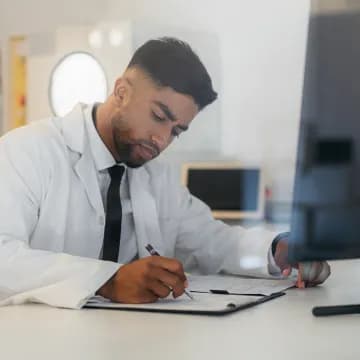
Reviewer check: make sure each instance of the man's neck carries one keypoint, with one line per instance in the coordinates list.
(102, 124)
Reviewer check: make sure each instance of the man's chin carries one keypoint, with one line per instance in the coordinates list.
(130, 158)
(136, 164)
(137, 161)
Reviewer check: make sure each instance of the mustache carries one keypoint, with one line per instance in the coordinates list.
(150, 145)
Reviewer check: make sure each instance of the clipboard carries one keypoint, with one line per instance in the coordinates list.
(204, 304)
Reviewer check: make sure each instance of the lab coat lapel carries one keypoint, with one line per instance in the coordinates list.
(145, 212)
(73, 126)
(85, 169)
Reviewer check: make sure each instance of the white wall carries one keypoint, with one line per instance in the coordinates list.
(262, 46)
(19, 17)
(262, 52)
(43, 58)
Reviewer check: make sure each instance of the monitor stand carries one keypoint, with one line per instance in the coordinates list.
(336, 310)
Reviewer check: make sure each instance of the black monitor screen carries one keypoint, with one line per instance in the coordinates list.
(226, 189)
(326, 209)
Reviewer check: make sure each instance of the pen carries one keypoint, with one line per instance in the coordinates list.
(153, 252)
(335, 310)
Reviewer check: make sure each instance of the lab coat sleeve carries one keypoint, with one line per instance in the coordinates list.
(26, 274)
(272, 266)
(212, 246)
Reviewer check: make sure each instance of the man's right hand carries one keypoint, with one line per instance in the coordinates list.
(146, 280)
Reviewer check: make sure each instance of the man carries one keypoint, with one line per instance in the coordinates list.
(65, 235)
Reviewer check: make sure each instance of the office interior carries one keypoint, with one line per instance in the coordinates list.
(254, 51)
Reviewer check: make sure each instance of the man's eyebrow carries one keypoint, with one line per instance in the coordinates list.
(166, 110)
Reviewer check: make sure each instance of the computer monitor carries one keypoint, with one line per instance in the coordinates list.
(231, 190)
(326, 204)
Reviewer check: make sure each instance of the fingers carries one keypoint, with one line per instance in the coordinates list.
(286, 271)
(171, 281)
(281, 258)
(313, 273)
(146, 280)
(309, 273)
(165, 275)
(299, 282)
(172, 265)
(159, 289)
(318, 273)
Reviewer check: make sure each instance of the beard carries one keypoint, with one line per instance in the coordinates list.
(125, 150)
(128, 149)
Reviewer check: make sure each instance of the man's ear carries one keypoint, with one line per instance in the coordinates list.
(122, 92)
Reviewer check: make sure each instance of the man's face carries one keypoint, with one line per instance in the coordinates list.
(147, 118)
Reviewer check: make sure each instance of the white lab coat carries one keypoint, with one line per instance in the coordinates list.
(52, 219)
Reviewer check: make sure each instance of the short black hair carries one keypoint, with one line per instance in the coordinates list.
(171, 62)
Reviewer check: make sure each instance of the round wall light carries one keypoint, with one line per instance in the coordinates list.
(77, 77)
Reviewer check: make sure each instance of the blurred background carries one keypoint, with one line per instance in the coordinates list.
(52, 52)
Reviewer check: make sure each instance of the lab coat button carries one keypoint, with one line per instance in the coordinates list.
(101, 220)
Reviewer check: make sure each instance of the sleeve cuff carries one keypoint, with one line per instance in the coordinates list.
(70, 293)
(272, 267)
(99, 279)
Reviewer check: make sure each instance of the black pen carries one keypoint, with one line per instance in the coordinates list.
(153, 252)
(335, 310)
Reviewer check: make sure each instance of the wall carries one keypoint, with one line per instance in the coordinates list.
(42, 16)
(45, 51)
(261, 56)
(262, 46)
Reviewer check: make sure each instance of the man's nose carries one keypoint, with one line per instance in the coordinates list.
(161, 139)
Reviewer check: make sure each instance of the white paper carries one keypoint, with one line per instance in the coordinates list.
(238, 285)
(201, 302)
(205, 300)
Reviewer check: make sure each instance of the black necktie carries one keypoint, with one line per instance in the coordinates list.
(113, 216)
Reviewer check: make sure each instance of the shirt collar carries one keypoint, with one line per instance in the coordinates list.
(101, 154)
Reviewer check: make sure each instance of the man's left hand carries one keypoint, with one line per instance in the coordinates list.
(309, 273)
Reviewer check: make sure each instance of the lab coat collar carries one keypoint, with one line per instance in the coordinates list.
(73, 128)
(147, 227)
(102, 156)
(74, 132)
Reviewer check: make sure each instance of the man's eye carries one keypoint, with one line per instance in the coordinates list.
(158, 118)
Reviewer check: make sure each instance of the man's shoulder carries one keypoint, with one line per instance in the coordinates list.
(52, 130)
(38, 137)
(32, 133)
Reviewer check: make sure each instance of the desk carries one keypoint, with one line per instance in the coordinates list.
(280, 329)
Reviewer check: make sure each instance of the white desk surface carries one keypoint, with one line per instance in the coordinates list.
(280, 329)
